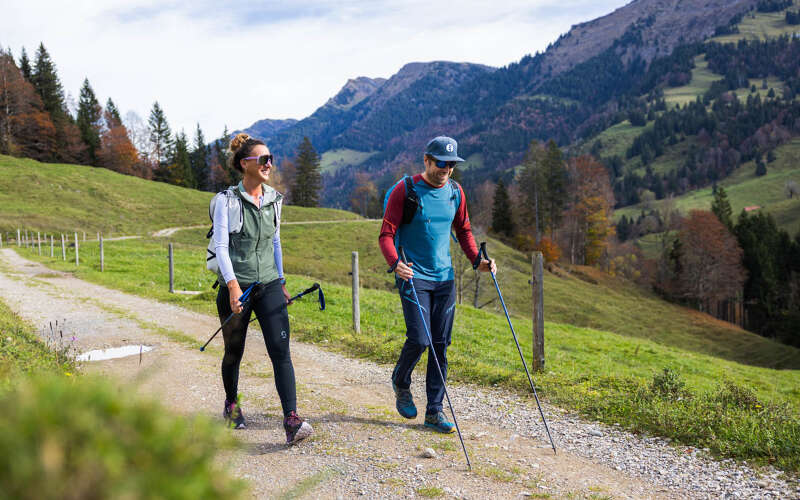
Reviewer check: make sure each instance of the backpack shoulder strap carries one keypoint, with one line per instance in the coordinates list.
(411, 203)
(456, 187)
(409, 183)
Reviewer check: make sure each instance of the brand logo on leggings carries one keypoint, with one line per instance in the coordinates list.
(283, 334)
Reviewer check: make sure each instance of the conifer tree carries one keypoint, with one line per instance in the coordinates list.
(199, 159)
(533, 182)
(307, 179)
(220, 173)
(223, 155)
(46, 82)
(180, 169)
(69, 147)
(25, 65)
(112, 116)
(722, 208)
(501, 211)
(556, 180)
(160, 136)
(88, 120)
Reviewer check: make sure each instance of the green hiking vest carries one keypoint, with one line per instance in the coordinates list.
(251, 251)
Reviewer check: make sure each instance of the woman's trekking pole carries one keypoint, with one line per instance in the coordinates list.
(482, 251)
(244, 298)
(320, 297)
(436, 359)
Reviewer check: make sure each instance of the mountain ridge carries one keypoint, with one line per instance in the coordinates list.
(497, 111)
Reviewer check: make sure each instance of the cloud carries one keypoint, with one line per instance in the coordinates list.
(232, 63)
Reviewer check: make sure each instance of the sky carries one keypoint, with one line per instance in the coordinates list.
(232, 63)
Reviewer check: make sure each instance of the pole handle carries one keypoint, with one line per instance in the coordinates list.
(483, 251)
(402, 253)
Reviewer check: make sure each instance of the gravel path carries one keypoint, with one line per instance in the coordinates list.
(361, 447)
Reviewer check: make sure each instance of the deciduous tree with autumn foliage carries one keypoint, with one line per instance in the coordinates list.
(588, 216)
(364, 198)
(707, 261)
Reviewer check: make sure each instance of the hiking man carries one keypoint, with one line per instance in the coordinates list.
(420, 211)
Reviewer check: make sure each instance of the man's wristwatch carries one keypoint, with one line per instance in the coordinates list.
(283, 281)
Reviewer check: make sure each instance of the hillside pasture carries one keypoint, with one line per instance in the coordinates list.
(52, 197)
(760, 26)
(744, 189)
(335, 159)
(701, 81)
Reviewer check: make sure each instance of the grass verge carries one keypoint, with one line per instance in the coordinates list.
(23, 353)
(68, 436)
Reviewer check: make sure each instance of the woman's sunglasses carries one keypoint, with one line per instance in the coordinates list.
(262, 159)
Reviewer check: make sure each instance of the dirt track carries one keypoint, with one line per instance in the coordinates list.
(361, 446)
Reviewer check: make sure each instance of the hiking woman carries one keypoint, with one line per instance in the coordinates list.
(253, 255)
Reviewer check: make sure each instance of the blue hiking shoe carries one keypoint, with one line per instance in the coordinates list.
(439, 423)
(404, 402)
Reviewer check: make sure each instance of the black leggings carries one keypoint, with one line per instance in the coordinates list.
(269, 304)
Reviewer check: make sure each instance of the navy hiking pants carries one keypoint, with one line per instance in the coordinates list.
(438, 301)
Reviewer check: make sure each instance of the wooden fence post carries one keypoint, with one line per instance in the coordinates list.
(1, 241)
(171, 271)
(537, 284)
(52, 247)
(102, 255)
(356, 304)
(39, 241)
(77, 261)
(18, 238)
(84, 236)
(63, 248)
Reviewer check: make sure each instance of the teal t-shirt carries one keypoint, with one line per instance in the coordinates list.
(426, 239)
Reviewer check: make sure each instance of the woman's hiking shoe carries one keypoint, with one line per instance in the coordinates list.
(439, 423)
(233, 415)
(296, 428)
(404, 402)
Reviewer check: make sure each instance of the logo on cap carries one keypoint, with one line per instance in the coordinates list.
(449, 148)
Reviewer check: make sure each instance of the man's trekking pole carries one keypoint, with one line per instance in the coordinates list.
(483, 252)
(320, 297)
(436, 359)
(244, 298)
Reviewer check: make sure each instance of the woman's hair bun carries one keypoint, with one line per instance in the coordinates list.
(238, 141)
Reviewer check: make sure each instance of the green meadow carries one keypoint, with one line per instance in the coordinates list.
(615, 352)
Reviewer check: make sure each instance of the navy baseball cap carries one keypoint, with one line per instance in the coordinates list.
(443, 148)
